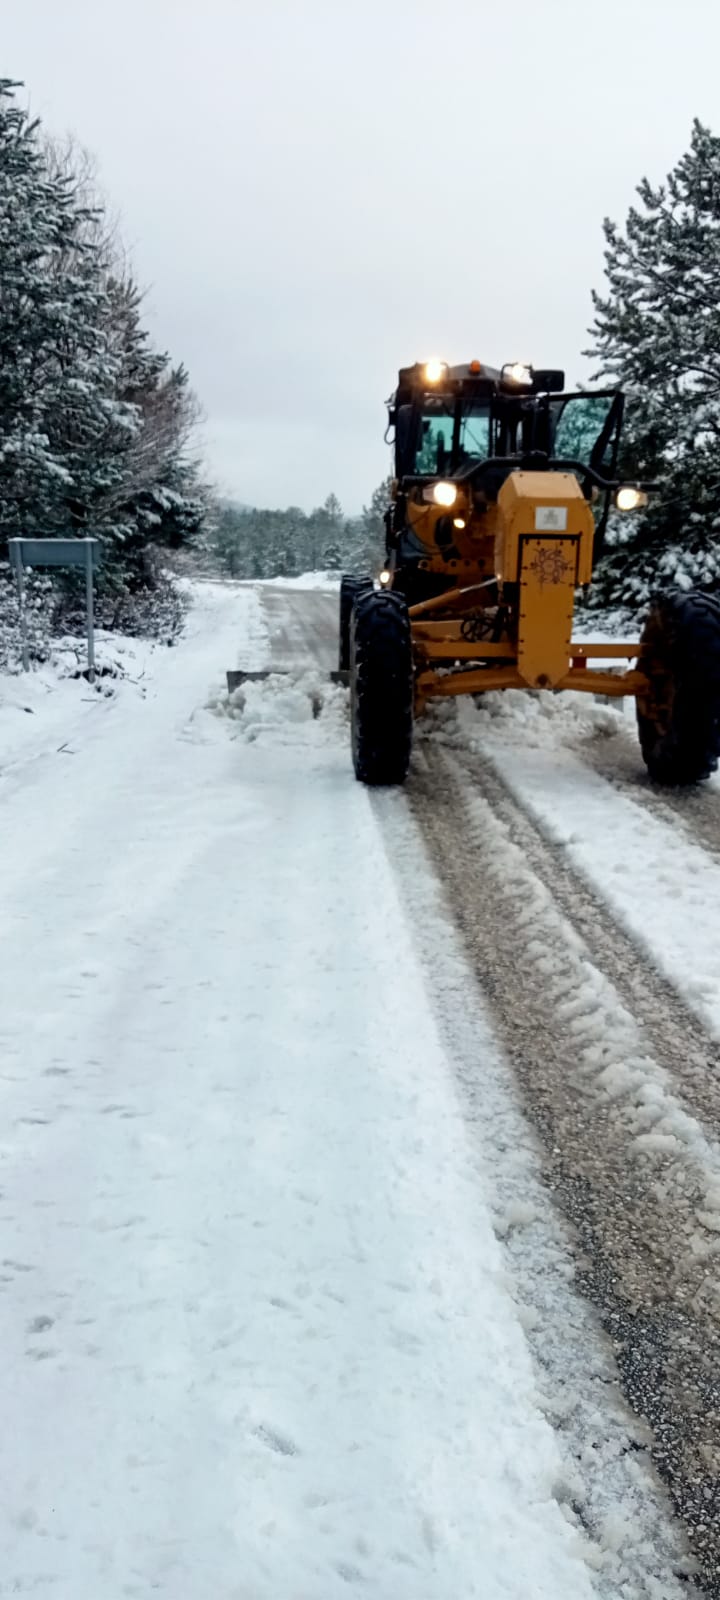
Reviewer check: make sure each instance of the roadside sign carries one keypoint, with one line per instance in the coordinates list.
(57, 552)
(85, 553)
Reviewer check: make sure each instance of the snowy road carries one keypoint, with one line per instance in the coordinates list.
(322, 1169)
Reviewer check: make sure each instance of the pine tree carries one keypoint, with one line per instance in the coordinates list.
(368, 532)
(54, 360)
(657, 333)
(95, 425)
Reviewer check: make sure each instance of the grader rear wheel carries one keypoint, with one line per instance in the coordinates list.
(679, 711)
(350, 587)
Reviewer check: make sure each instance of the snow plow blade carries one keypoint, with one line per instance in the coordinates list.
(239, 676)
(236, 679)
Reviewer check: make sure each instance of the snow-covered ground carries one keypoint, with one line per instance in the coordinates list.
(323, 582)
(284, 1302)
(254, 1317)
(39, 709)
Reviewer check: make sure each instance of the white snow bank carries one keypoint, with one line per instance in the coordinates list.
(41, 710)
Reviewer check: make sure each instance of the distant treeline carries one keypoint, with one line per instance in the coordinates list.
(250, 543)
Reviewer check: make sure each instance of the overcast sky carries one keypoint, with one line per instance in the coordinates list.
(316, 192)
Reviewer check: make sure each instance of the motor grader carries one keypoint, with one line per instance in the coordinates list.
(502, 491)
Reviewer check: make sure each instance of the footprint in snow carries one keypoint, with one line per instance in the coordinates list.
(274, 1440)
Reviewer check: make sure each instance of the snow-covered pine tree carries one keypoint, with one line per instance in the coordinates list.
(52, 357)
(135, 481)
(94, 424)
(657, 333)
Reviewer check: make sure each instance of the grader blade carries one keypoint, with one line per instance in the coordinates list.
(238, 676)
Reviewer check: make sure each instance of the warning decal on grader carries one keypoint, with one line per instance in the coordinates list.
(550, 519)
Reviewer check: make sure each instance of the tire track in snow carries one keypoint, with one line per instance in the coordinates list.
(696, 812)
(609, 1486)
(303, 626)
(678, 1040)
(597, 1062)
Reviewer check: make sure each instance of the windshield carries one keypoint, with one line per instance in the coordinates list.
(434, 454)
(475, 432)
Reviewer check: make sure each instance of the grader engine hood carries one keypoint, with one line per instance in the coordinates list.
(544, 544)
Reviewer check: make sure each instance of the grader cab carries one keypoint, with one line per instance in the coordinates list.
(502, 491)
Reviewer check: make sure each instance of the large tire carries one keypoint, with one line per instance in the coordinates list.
(381, 688)
(679, 712)
(350, 586)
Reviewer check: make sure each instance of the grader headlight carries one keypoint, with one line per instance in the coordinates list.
(435, 370)
(518, 372)
(444, 494)
(628, 498)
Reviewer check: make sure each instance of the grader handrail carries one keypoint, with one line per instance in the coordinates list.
(536, 461)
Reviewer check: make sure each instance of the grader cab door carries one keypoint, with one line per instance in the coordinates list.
(586, 428)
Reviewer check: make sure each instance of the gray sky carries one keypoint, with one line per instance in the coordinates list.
(319, 191)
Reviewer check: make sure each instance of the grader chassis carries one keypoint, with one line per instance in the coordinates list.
(501, 496)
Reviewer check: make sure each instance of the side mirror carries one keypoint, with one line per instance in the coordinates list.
(548, 380)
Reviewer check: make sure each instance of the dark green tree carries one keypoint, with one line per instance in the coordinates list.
(95, 425)
(656, 331)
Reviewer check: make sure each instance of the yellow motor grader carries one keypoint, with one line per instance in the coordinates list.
(502, 490)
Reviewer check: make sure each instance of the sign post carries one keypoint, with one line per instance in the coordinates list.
(57, 553)
(90, 598)
(18, 565)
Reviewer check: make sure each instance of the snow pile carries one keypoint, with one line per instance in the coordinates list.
(536, 718)
(541, 719)
(285, 709)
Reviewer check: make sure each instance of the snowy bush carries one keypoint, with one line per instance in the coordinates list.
(39, 611)
(55, 611)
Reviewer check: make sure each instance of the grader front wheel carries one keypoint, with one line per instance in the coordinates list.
(381, 687)
(678, 712)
